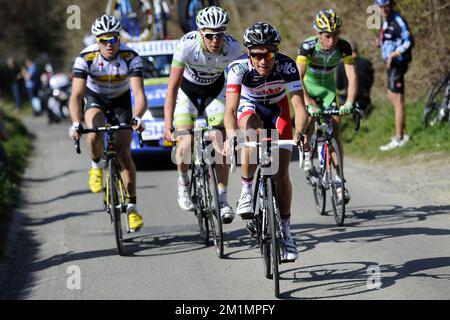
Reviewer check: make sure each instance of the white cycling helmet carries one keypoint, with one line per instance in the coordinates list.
(212, 18)
(105, 24)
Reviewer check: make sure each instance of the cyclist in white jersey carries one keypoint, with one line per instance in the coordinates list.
(197, 86)
(103, 73)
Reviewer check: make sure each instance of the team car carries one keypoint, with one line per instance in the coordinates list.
(157, 58)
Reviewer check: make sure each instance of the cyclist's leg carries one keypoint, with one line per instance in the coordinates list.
(185, 114)
(249, 122)
(396, 94)
(128, 169)
(123, 142)
(94, 117)
(215, 111)
(284, 192)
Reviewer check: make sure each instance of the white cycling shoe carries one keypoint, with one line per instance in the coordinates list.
(244, 207)
(226, 213)
(307, 165)
(184, 198)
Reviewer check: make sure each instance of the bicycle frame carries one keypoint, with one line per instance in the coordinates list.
(114, 194)
(203, 189)
(267, 217)
(321, 177)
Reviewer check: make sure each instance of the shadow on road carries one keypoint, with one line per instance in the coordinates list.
(59, 217)
(47, 179)
(354, 278)
(67, 195)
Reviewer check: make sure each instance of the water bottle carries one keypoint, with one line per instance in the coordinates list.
(321, 152)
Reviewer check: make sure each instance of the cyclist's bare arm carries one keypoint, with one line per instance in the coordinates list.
(230, 119)
(232, 103)
(78, 87)
(176, 75)
(302, 71)
(352, 76)
(301, 115)
(140, 102)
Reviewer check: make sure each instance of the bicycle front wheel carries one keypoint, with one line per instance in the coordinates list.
(274, 237)
(198, 196)
(336, 181)
(115, 205)
(214, 217)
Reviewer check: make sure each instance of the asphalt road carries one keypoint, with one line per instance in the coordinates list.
(63, 245)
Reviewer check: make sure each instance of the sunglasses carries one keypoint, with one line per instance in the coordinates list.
(259, 56)
(106, 40)
(214, 35)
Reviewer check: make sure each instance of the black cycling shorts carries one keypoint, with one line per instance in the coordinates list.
(120, 106)
(396, 79)
(202, 96)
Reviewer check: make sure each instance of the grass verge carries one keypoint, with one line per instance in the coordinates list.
(17, 147)
(378, 128)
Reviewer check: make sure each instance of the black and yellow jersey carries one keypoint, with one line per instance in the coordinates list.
(108, 78)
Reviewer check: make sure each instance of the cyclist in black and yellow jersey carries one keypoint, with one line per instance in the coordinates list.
(104, 73)
(317, 59)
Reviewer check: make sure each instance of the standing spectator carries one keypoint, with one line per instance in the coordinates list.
(31, 75)
(16, 81)
(364, 69)
(3, 137)
(396, 44)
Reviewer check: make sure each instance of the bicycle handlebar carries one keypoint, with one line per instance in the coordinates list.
(356, 111)
(273, 143)
(106, 128)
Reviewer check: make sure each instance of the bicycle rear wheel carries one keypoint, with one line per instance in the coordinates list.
(198, 195)
(336, 180)
(436, 108)
(215, 220)
(274, 236)
(115, 205)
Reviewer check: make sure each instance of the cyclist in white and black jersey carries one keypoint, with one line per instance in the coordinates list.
(196, 86)
(103, 74)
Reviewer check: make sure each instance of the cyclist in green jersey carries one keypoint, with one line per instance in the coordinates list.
(317, 59)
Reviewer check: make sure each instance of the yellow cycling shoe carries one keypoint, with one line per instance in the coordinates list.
(96, 180)
(135, 221)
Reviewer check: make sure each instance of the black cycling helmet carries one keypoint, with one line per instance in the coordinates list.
(327, 21)
(261, 34)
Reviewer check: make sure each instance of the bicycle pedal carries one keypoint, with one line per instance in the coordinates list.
(287, 261)
(247, 216)
(251, 230)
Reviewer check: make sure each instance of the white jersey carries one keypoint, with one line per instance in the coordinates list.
(201, 67)
(109, 79)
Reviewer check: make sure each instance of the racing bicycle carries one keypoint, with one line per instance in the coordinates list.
(203, 186)
(437, 107)
(265, 225)
(327, 173)
(114, 199)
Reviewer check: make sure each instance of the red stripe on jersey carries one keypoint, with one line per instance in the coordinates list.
(233, 88)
